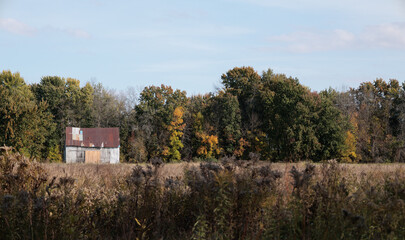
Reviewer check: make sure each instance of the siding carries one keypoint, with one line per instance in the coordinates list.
(77, 154)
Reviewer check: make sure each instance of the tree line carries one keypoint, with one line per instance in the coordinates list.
(266, 116)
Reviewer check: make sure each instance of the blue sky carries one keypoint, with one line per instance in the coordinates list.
(188, 44)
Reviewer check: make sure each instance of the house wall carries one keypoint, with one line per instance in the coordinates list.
(77, 154)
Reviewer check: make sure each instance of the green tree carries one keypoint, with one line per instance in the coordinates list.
(288, 114)
(224, 115)
(300, 124)
(247, 85)
(333, 130)
(69, 104)
(24, 124)
(154, 113)
(52, 91)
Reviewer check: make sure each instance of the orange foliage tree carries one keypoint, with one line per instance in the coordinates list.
(207, 145)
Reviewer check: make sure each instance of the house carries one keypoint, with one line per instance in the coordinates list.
(92, 145)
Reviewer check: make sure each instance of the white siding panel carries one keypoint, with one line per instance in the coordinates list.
(77, 154)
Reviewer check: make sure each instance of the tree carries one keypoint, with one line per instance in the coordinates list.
(154, 114)
(172, 152)
(24, 124)
(247, 85)
(51, 89)
(223, 114)
(333, 131)
(206, 145)
(379, 118)
(106, 107)
(289, 112)
(69, 104)
(300, 124)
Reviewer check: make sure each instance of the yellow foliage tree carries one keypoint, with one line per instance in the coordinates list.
(349, 151)
(175, 128)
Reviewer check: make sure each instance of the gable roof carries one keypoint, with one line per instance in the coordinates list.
(93, 137)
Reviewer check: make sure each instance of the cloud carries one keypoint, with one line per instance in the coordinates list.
(201, 31)
(76, 33)
(181, 15)
(190, 44)
(177, 66)
(72, 32)
(165, 67)
(359, 6)
(312, 41)
(386, 36)
(16, 27)
(177, 15)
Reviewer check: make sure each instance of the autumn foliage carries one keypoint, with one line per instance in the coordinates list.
(269, 115)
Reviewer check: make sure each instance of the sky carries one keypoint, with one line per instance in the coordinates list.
(189, 44)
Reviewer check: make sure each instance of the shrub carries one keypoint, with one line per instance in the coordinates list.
(226, 200)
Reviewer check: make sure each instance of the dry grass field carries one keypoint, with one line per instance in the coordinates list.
(107, 174)
(227, 200)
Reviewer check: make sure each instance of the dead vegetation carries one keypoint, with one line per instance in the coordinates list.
(227, 200)
(107, 174)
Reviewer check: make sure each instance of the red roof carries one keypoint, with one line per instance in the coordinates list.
(93, 137)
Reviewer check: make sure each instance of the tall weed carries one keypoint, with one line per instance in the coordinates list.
(225, 200)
